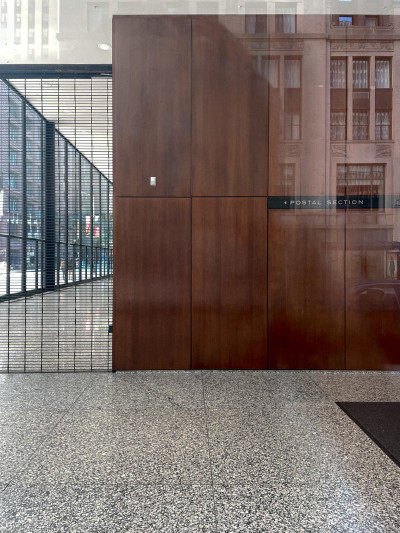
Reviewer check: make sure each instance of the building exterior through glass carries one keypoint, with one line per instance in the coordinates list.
(40, 169)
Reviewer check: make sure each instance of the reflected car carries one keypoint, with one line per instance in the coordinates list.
(376, 295)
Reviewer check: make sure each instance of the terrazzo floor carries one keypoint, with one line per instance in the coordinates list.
(199, 451)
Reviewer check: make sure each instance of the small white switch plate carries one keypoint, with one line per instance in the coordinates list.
(153, 181)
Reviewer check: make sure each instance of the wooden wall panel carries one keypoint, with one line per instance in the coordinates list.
(372, 290)
(152, 284)
(230, 115)
(152, 113)
(306, 290)
(229, 283)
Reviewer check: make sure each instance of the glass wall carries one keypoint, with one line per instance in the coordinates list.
(29, 173)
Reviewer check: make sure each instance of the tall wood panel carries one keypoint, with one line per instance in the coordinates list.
(191, 100)
(152, 114)
(372, 290)
(152, 284)
(229, 115)
(306, 290)
(229, 283)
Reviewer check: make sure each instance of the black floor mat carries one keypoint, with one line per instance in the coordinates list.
(380, 421)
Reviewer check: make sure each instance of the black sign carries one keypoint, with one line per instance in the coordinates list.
(333, 202)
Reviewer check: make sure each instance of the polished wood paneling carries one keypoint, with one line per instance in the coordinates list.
(152, 113)
(372, 290)
(306, 290)
(230, 115)
(229, 283)
(152, 284)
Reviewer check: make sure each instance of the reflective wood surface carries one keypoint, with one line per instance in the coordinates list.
(306, 290)
(229, 115)
(152, 92)
(152, 284)
(230, 112)
(372, 290)
(229, 283)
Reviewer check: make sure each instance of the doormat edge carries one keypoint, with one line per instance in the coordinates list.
(374, 439)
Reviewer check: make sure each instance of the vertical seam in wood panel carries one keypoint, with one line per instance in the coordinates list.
(267, 274)
(345, 290)
(191, 106)
(349, 91)
(113, 59)
(267, 190)
(346, 211)
(191, 193)
(191, 283)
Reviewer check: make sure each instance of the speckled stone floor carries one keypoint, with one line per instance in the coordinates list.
(210, 451)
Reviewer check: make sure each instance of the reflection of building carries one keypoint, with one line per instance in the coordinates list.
(333, 88)
(28, 29)
(331, 93)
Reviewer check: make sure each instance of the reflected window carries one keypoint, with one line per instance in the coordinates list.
(292, 73)
(288, 179)
(292, 126)
(345, 21)
(366, 21)
(371, 22)
(292, 99)
(256, 24)
(270, 71)
(383, 125)
(383, 99)
(255, 20)
(338, 75)
(382, 74)
(338, 125)
(361, 99)
(359, 179)
(360, 125)
(285, 18)
(360, 74)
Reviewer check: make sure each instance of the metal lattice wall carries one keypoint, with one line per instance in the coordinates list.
(56, 254)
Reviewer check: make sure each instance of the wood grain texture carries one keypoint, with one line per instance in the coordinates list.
(306, 290)
(152, 113)
(152, 284)
(229, 254)
(230, 115)
(372, 291)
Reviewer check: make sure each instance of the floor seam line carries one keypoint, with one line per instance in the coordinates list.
(209, 455)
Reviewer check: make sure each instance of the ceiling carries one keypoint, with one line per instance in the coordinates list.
(69, 31)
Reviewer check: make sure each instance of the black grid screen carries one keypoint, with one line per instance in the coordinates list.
(56, 224)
